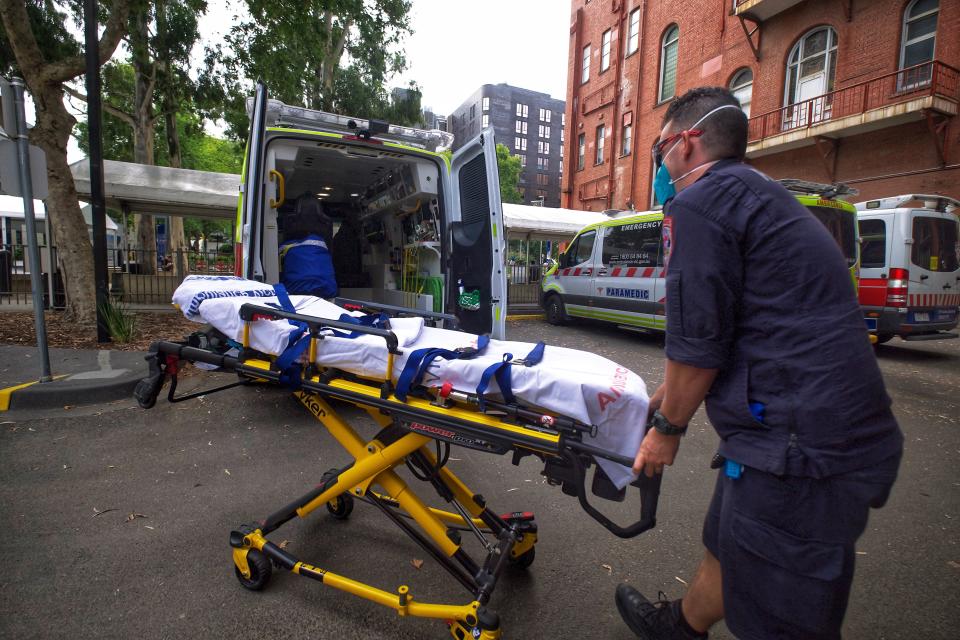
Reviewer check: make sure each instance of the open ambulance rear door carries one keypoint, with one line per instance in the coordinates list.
(250, 219)
(476, 255)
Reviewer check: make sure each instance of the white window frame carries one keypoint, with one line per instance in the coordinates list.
(601, 143)
(738, 84)
(485, 120)
(627, 140)
(581, 151)
(585, 66)
(797, 50)
(605, 41)
(904, 43)
(671, 38)
(547, 113)
(633, 32)
(486, 103)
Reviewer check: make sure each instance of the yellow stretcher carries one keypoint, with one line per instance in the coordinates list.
(408, 429)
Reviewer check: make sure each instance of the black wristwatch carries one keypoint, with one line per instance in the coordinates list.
(659, 422)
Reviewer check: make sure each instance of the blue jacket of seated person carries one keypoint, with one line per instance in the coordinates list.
(306, 267)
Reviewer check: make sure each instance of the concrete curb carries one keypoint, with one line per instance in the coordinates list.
(114, 378)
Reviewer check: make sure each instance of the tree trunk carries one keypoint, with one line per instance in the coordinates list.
(177, 244)
(70, 235)
(143, 123)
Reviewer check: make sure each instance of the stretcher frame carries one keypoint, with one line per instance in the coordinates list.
(407, 429)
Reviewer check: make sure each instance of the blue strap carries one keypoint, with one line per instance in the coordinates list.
(420, 360)
(379, 321)
(297, 343)
(501, 371)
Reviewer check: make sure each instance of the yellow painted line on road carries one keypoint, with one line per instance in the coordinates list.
(6, 393)
(528, 316)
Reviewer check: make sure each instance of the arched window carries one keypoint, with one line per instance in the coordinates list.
(918, 41)
(668, 63)
(742, 88)
(811, 69)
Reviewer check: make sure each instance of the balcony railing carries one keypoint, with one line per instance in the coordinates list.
(599, 98)
(762, 9)
(930, 79)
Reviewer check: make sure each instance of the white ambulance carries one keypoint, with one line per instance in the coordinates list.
(611, 271)
(910, 266)
(426, 226)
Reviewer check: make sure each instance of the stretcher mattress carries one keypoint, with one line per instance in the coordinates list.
(577, 384)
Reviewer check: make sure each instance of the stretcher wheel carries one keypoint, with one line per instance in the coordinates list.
(260, 571)
(525, 559)
(341, 507)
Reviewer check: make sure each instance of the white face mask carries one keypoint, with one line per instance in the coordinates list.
(694, 126)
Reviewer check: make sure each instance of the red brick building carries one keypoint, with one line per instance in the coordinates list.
(864, 92)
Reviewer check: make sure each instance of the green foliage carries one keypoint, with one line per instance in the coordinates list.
(48, 21)
(334, 55)
(509, 168)
(120, 320)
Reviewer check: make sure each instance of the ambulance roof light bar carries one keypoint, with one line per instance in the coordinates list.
(279, 113)
(823, 190)
(930, 201)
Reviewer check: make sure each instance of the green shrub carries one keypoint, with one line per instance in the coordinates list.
(121, 321)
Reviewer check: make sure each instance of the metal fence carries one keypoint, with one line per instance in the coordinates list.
(141, 277)
(523, 284)
(134, 277)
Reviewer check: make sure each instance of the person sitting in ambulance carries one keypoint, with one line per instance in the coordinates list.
(306, 267)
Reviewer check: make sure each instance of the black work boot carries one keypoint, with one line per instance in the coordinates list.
(653, 621)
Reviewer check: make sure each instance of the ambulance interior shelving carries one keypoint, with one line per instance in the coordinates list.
(386, 213)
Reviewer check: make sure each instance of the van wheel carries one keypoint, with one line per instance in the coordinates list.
(884, 337)
(556, 314)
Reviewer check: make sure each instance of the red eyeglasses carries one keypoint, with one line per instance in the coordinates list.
(658, 147)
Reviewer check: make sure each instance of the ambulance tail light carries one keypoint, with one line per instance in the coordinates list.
(897, 287)
(238, 259)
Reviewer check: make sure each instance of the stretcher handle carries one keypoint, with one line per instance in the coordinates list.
(389, 308)
(250, 311)
(649, 497)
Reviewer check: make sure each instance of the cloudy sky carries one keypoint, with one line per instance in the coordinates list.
(458, 45)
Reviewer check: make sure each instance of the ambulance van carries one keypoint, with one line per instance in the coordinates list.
(910, 277)
(424, 227)
(613, 270)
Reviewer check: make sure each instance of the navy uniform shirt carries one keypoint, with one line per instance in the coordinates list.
(758, 289)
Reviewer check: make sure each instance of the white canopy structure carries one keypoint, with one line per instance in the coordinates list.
(139, 188)
(546, 223)
(161, 190)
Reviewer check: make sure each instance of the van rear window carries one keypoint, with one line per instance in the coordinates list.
(633, 245)
(873, 244)
(935, 246)
(842, 225)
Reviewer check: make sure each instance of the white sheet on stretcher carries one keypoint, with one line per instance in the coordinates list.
(578, 384)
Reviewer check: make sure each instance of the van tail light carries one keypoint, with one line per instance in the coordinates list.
(238, 259)
(897, 287)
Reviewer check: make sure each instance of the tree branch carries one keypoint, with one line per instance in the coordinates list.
(16, 21)
(70, 68)
(117, 113)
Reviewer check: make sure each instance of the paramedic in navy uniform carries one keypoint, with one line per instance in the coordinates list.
(762, 323)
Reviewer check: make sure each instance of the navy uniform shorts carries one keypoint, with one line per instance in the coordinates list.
(786, 548)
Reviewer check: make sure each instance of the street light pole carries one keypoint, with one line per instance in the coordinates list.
(99, 213)
(33, 251)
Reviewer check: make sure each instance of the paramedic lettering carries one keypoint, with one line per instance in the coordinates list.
(802, 467)
(638, 294)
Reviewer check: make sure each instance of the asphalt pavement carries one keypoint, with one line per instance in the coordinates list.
(117, 519)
